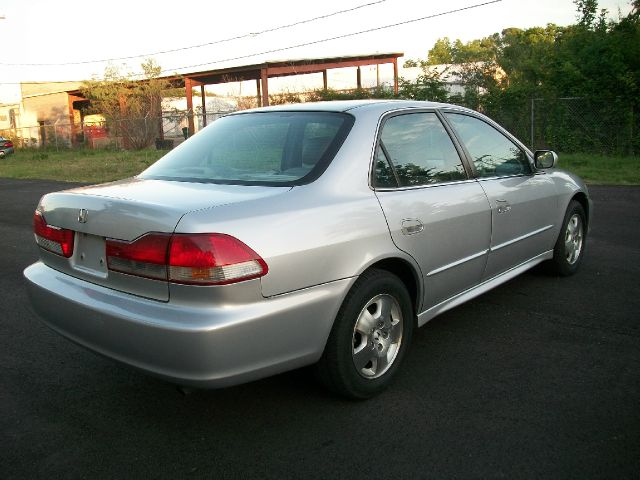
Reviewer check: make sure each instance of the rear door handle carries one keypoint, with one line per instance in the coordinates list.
(411, 226)
(502, 206)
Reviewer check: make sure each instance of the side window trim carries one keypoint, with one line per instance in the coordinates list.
(469, 167)
(467, 156)
(462, 154)
(499, 129)
(386, 154)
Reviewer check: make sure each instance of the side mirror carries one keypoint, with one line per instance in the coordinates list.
(545, 159)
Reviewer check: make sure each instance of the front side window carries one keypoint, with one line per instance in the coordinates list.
(493, 154)
(270, 148)
(415, 149)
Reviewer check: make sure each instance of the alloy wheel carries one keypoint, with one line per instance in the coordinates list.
(377, 336)
(573, 238)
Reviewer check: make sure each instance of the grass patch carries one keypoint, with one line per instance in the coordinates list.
(82, 165)
(95, 166)
(602, 170)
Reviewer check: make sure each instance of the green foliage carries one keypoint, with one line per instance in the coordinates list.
(524, 55)
(441, 53)
(587, 12)
(428, 86)
(285, 98)
(132, 107)
(445, 51)
(584, 79)
(355, 94)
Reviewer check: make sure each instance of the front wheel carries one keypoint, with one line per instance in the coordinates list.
(569, 248)
(369, 338)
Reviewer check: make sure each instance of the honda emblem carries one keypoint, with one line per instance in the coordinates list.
(82, 215)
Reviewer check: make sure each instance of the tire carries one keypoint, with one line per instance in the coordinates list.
(370, 337)
(569, 248)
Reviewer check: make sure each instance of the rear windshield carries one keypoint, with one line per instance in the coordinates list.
(261, 148)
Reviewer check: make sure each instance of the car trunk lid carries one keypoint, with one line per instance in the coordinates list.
(127, 210)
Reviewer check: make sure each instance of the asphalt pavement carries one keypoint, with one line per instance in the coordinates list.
(539, 378)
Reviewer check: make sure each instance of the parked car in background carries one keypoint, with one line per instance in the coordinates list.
(318, 233)
(6, 147)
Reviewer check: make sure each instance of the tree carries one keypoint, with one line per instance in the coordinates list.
(427, 86)
(524, 55)
(587, 10)
(445, 51)
(441, 53)
(132, 108)
(593, 67)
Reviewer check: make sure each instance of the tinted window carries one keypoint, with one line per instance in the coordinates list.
(274, 148)
(492, 153)
(384, 175)
(420, 151)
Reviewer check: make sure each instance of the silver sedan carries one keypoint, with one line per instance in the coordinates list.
(317, 234)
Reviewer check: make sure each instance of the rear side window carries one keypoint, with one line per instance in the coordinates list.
(493, 154)
(270, 148)
(415, 149)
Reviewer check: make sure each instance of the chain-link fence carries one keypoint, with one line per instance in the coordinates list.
(562, 124)
(165, 132)
(572, 124)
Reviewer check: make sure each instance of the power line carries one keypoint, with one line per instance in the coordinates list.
(215, 42)
(305, 44)
(337, 37)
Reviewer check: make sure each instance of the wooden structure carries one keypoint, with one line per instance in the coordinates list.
(263, 71)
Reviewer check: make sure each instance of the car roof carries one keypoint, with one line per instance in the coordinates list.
(353, 105)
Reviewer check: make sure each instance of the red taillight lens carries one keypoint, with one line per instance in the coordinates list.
(8, 144)
(145, 256)
(55, 239)
(199, 259)
(212, 259)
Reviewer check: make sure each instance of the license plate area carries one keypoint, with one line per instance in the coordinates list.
(89, 255)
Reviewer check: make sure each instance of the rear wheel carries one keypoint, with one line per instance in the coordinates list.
(569, 248)
(369, 338)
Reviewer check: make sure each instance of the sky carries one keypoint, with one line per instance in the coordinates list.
(66, 31)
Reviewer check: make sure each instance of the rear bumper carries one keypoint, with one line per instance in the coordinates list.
(203, 345)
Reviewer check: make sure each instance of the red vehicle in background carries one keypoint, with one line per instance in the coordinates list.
(6, 147)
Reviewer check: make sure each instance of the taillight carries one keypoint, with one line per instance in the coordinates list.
(212, 259)
(55, 239)
(197, 259)
(8, 144)
(144, 257)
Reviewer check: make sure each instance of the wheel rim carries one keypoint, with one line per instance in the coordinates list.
(377, 336)
(573, 238)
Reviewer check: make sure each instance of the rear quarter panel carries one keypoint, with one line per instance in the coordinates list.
(305, 238)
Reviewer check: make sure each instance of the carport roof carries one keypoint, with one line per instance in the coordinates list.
(278, 68)
(283, 68)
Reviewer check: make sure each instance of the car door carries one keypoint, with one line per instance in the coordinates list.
(522, 202)
(434, 211)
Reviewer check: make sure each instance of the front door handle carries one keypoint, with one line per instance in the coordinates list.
(411, 226)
